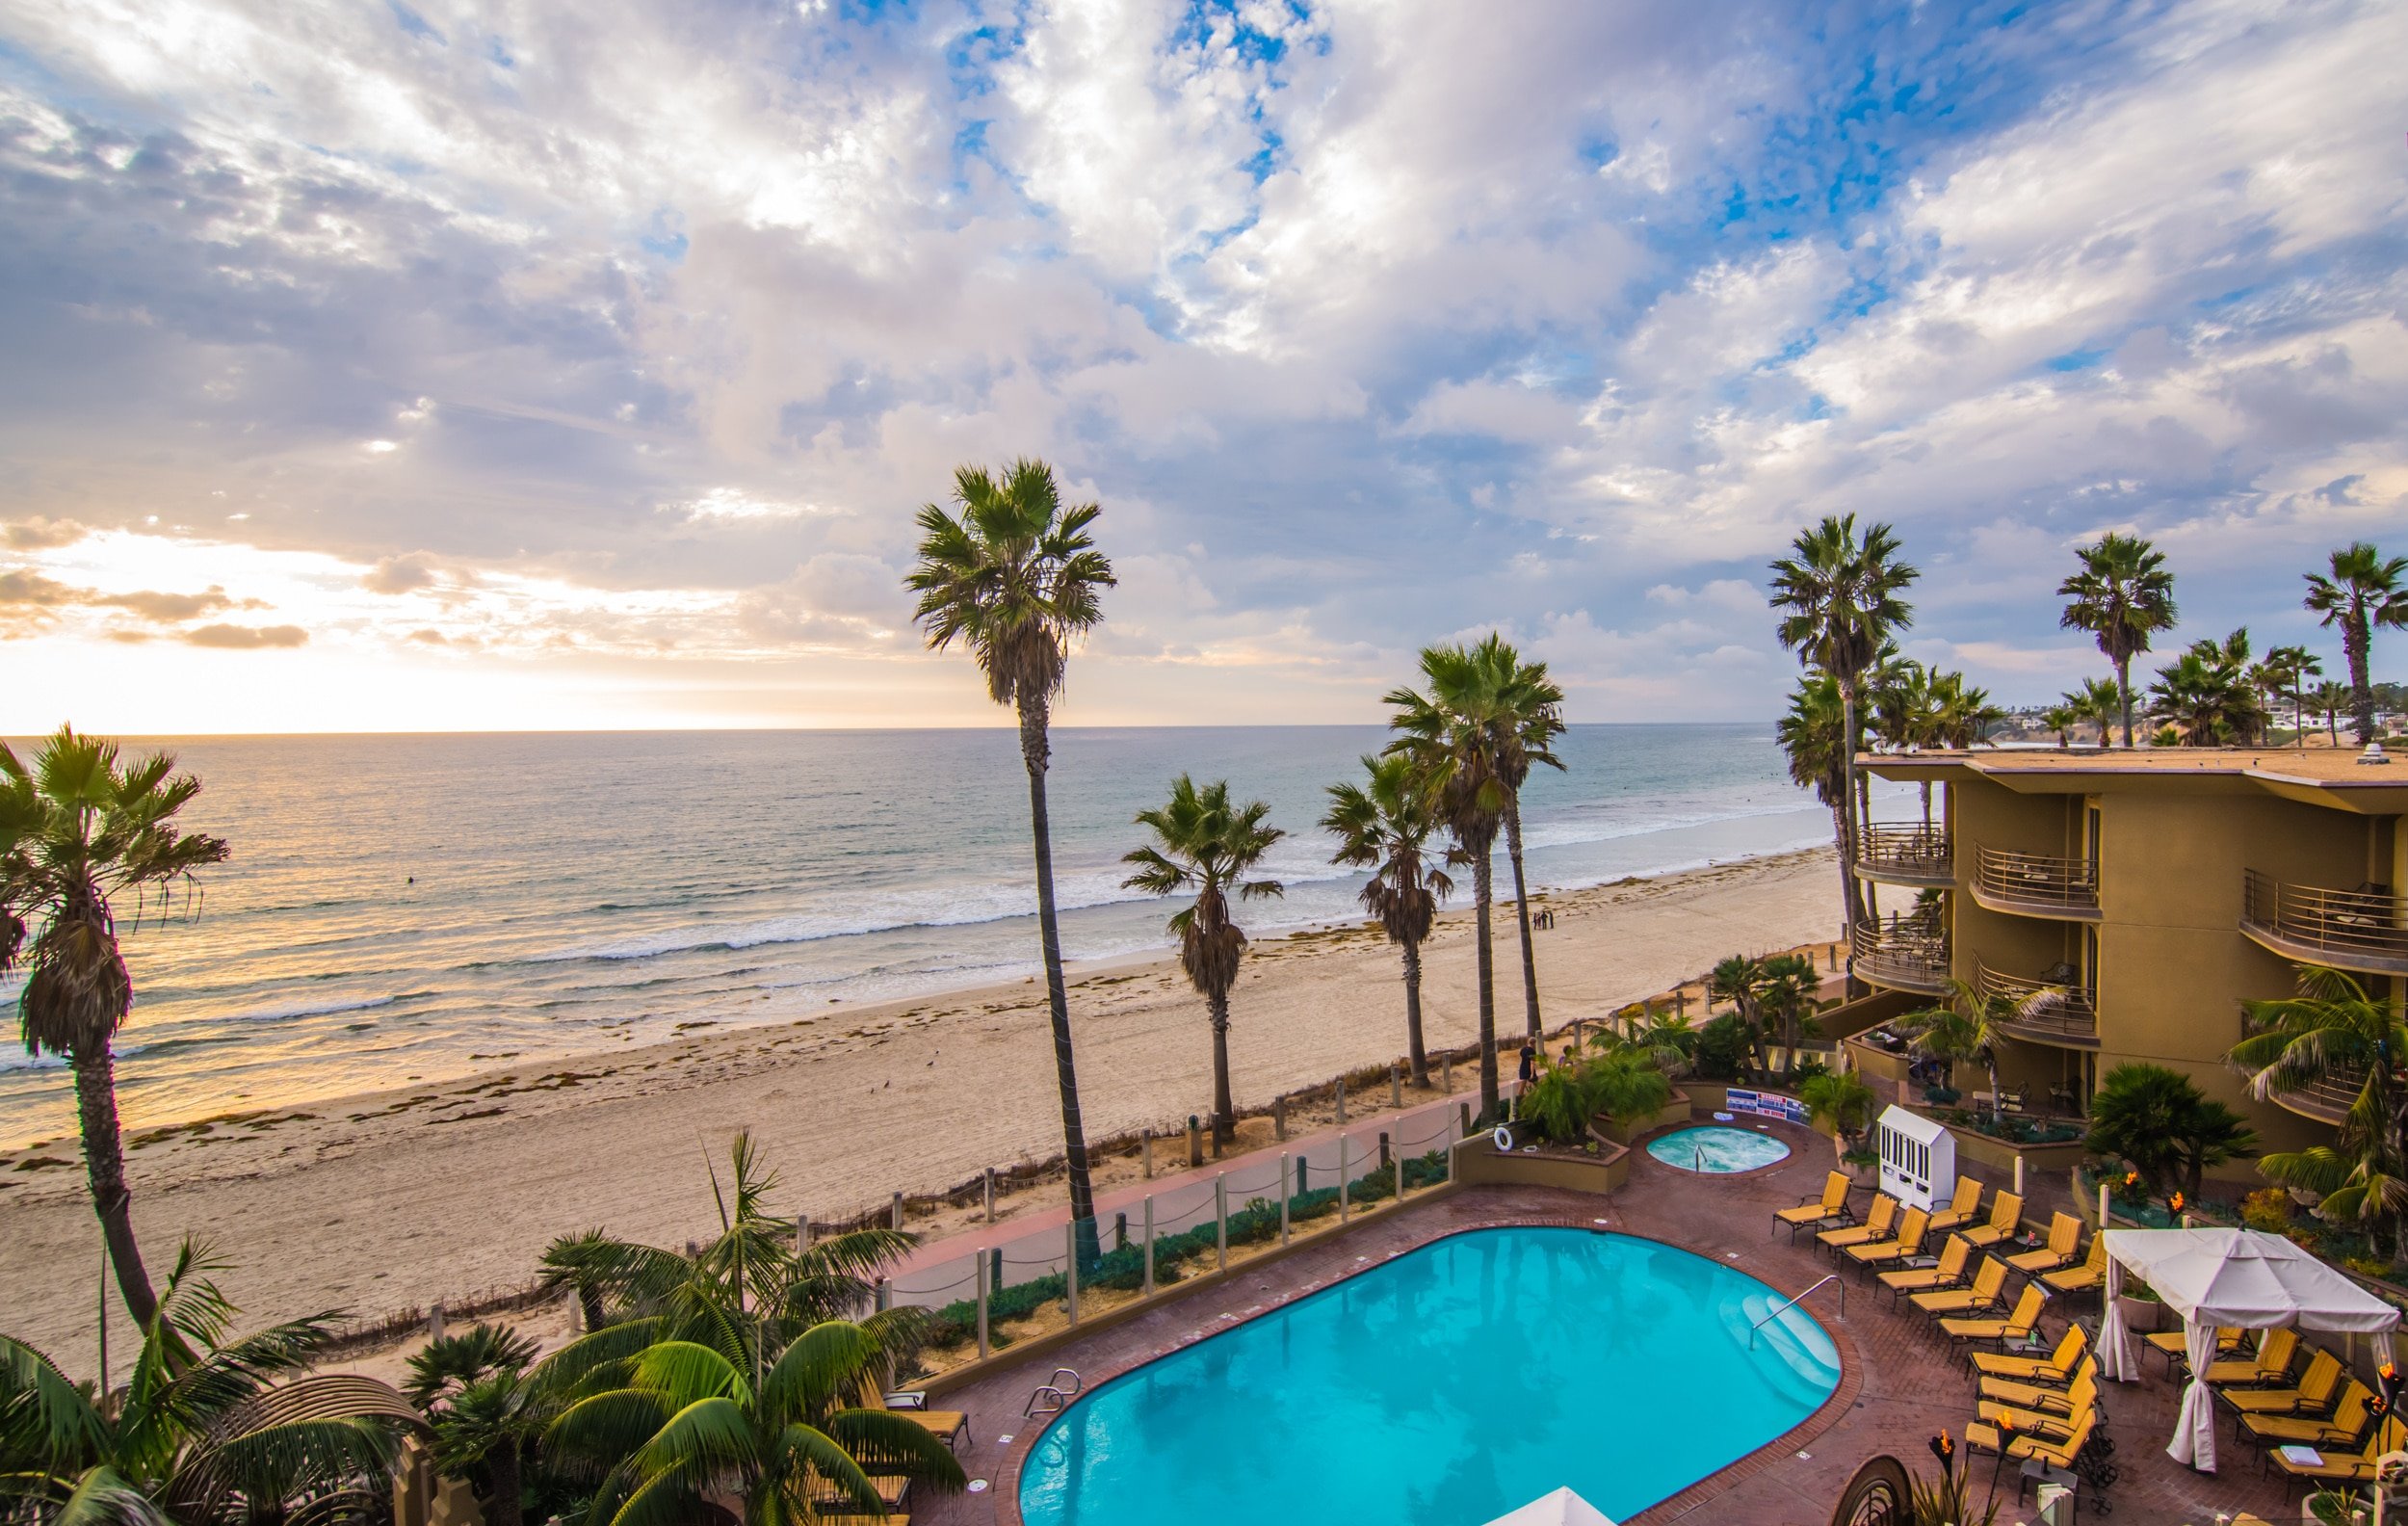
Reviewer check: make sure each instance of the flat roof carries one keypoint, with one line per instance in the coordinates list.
(2332, 773)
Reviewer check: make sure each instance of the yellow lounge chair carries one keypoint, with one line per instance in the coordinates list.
(2092, 1273)
(949, 1426)
(2055, 1419)
(2019, 1324)
(2318, 1390)
(2356, 1468)
(2270, 1368)
(2174, 1346)
(1927, 1279)
(2057, 1451)
(2055, 1368)
(1908, 1243)
(1962, 1209)
(1876, 1227)
(2007, 1216)
(2342, 1428)
(2064, 1244)
(1989, 1284)
(1815, 1213)
(2051, 1398)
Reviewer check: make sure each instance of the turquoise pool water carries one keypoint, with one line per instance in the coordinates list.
(1717, 1151)
(1446, 1387)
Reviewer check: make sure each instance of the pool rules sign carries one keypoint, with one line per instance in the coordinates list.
(1918, 1158)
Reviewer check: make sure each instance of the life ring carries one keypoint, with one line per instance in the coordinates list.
(1503, 1139)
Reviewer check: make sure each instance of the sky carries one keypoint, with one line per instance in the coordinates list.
(421, 366)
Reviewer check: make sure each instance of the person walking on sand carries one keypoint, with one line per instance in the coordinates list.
(1530, 1062)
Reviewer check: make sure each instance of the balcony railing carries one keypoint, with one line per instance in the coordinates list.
(2357, 928)
(1905, 850)
(2036, 883)
(2060, 1012)
(1910, 953)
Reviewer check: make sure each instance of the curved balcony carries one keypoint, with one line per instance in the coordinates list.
(2045, 1011)
(2034, 884)
(2355, 929)
(2327, 1099)
(1903, 853)
(1904, 954)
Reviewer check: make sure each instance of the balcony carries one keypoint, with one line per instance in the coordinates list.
(2033, 884)
(2354, 930)
(1901, 852)
(2045, 1011)
(1904, 954)
(2327, 1100)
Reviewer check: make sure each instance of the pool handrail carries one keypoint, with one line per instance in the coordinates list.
(1792, 1303)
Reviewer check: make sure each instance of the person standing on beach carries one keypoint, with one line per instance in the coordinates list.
(1530, 1062)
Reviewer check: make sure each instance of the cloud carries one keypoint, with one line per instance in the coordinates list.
(247, 638)
(1362, 322)
(37, 534)
(25, 590)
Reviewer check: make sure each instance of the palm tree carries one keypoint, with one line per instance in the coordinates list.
(1740, 980)
(2123, 596)
(2283, 674)
(2335, 1028)
(1961, 716)
(1384, 824)
(1906, 716)
(1840, 602)
(2061, 718)
(79, 833)
(1966, 1025)
(1536, 707)
(2363, 594)
(1203, 845)
(1457, 736)
(2209, 695)
(2097, 701)
(1016, 577)
(2159, 1124)
(750, 1278)
(485, 1414)
(788, 1434)
(1786, 990)
(205, 1432)
(2329, 699)
(1810, 735)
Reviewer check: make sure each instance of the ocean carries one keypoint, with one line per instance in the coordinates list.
(402, 909)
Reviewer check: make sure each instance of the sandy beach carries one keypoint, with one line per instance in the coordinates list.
(404, 1196)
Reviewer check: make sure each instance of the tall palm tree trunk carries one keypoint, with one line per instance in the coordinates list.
(104, 1162)
(1224, 1110)
(2124, 694)
(1485, 962)
(1418, 1056)
(502, 1470)
(1522, 914)
(2361, 692)
(1851, 903)
(1034, 752)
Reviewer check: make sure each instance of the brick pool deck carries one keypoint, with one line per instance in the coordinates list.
(1897, 1386)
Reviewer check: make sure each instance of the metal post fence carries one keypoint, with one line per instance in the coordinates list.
(1283, 1198)
(1070, 1268)
(978, 1268)
(1149, 1248)
(1221, 1219)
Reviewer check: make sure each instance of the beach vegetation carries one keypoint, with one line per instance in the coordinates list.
(1840, 599)
(82, 831)
(2123, 594)
(208, 1428)
(1385, 823)
(1205, 847)
(2334, 1027)
(1016, 577)
(2158, 1123)
(2361, 592)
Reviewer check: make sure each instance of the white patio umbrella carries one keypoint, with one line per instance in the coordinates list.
(2239, 1278)
(1562, 1508)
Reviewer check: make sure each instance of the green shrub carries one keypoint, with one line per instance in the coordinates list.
(2268, 1209)
(1722, 1048)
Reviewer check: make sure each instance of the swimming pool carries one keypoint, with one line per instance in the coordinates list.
(1717, 1151)
(1446, 1387)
